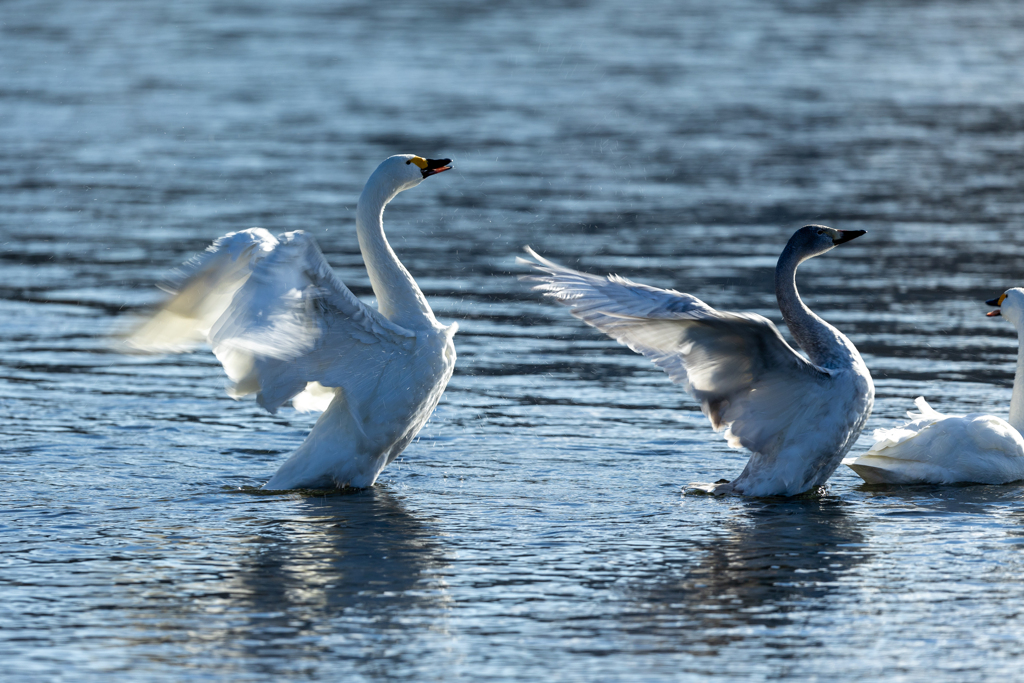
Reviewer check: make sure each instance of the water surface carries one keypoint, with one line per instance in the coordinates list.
(536, 530)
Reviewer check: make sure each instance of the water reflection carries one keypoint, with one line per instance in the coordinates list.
(774, 565)
(349, 576)
(683, 144)
(351, 571)
(945, 500)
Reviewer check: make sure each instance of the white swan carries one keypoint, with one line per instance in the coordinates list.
(799, 418)
(283, 325)
(944, 449)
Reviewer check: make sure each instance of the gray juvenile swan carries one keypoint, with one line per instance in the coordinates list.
(799, 418)
(283, 325)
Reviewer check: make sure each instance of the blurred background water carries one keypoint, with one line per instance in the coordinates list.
(536, 529)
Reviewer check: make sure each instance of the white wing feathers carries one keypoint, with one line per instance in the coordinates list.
(736, 364)
(201, 291)
(277, 317)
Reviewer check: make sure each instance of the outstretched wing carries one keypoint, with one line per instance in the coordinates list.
(737, 365)
(278, 318)
(201, 290)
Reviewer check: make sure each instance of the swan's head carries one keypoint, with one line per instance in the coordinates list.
(1010, 303)
(404, 171)
(814, 240)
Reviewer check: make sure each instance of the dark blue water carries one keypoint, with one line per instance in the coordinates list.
(536, 530)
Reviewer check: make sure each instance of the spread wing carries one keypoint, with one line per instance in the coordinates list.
(201, 290)
(737, 365)
(278, 318)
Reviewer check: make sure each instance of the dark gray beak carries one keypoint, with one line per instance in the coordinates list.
(847, 235)
(435, 166)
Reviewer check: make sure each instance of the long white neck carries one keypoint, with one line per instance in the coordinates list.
(1017, 400)
(823, 344)
(399, 298)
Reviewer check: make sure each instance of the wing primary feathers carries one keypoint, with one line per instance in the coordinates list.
(736, 364)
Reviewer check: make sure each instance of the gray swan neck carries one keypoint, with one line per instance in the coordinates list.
(399, 298)
(824, 345)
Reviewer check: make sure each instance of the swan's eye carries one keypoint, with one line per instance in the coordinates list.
(821, 232)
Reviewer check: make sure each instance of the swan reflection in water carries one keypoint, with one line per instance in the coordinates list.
(353, 575)
(776, 565)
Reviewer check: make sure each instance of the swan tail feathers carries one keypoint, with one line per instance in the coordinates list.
(927, 411)
(891, 437)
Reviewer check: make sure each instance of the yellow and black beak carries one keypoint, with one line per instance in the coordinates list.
(429, 167)
(998, 301)
(847, 235)
(435, 166)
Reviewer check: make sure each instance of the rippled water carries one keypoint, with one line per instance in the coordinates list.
(536, 529)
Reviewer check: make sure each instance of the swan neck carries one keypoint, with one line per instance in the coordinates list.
(399, 298)
(822, 343)
(1017, 399)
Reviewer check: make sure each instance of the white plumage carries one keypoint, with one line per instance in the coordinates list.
(944, 449)
(285, 327)
(797, 417)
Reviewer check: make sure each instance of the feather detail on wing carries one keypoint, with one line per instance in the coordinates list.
(201, 290)
(278, 318)
(737, 365)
